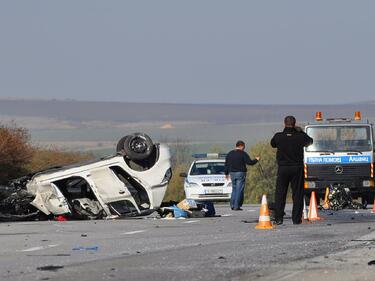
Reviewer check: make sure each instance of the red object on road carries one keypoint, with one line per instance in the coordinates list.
(60, 218)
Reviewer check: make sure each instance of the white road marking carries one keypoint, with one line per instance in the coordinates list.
(226, 215)
(33, 249)
(190, 221)
(251, 210)
(289, 275)
(133, 232)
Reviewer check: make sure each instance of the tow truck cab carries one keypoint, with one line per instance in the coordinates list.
(342, 154)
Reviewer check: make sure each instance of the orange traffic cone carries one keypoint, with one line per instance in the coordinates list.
(264, 216)
(326, 201)
(313, 210)
(305, 214)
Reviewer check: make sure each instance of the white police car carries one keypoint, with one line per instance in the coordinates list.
(205, 180)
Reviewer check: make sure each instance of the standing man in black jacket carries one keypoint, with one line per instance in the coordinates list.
(290, 144)
(235, 166)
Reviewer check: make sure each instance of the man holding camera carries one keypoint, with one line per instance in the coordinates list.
(290, 144)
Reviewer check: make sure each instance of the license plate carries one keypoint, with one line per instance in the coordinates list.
(213, 191)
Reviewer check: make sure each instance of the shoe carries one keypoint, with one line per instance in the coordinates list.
(296, 223)
(238, 209)
(278, 222)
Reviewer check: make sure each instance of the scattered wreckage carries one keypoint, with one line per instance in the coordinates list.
(131, 183)
(339, 198)
(187, 208)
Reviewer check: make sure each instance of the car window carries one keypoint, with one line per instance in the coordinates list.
(208, 168)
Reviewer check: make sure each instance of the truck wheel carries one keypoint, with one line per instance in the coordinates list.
(138, 146)
(367, 198)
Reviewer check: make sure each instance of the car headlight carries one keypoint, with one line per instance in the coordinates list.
(366, 183)
(168, 175)
(191, 184)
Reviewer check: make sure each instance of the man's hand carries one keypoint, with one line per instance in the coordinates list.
(227, 177)
(257, 158)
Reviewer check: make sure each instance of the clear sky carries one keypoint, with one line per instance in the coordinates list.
(189, 51)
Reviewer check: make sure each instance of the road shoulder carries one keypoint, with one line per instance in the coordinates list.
(352, 263)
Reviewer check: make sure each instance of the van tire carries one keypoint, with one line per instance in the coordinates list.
(137, 146)
(120, 145)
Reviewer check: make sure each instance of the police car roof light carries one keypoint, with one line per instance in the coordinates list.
(209, 155)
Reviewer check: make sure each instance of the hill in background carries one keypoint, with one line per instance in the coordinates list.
(97, 125)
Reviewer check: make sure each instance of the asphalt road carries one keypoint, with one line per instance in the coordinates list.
(220, 248)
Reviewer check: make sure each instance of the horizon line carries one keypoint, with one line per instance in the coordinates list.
(363, 102)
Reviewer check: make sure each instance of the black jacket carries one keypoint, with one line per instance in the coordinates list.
(290, 144)
(237, 160)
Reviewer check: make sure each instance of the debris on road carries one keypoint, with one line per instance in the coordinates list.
(187, 205)
(340, 198)
(94, 248)
(187, 208)
(53, 268)
(60, 218)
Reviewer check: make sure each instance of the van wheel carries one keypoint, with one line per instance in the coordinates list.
(120, 145)
(137, 146)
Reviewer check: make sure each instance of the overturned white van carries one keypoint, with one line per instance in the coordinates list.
(131, 183)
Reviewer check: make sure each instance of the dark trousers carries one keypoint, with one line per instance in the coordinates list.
(238, 187)
(292, 175)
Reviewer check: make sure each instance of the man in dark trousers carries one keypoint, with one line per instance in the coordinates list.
(235, 166)
(290, 144)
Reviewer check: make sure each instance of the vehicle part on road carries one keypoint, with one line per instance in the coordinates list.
(131, 183)
(15, 204)
(85, 208)
(264, 217)
(313, 210)
(340, 198)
